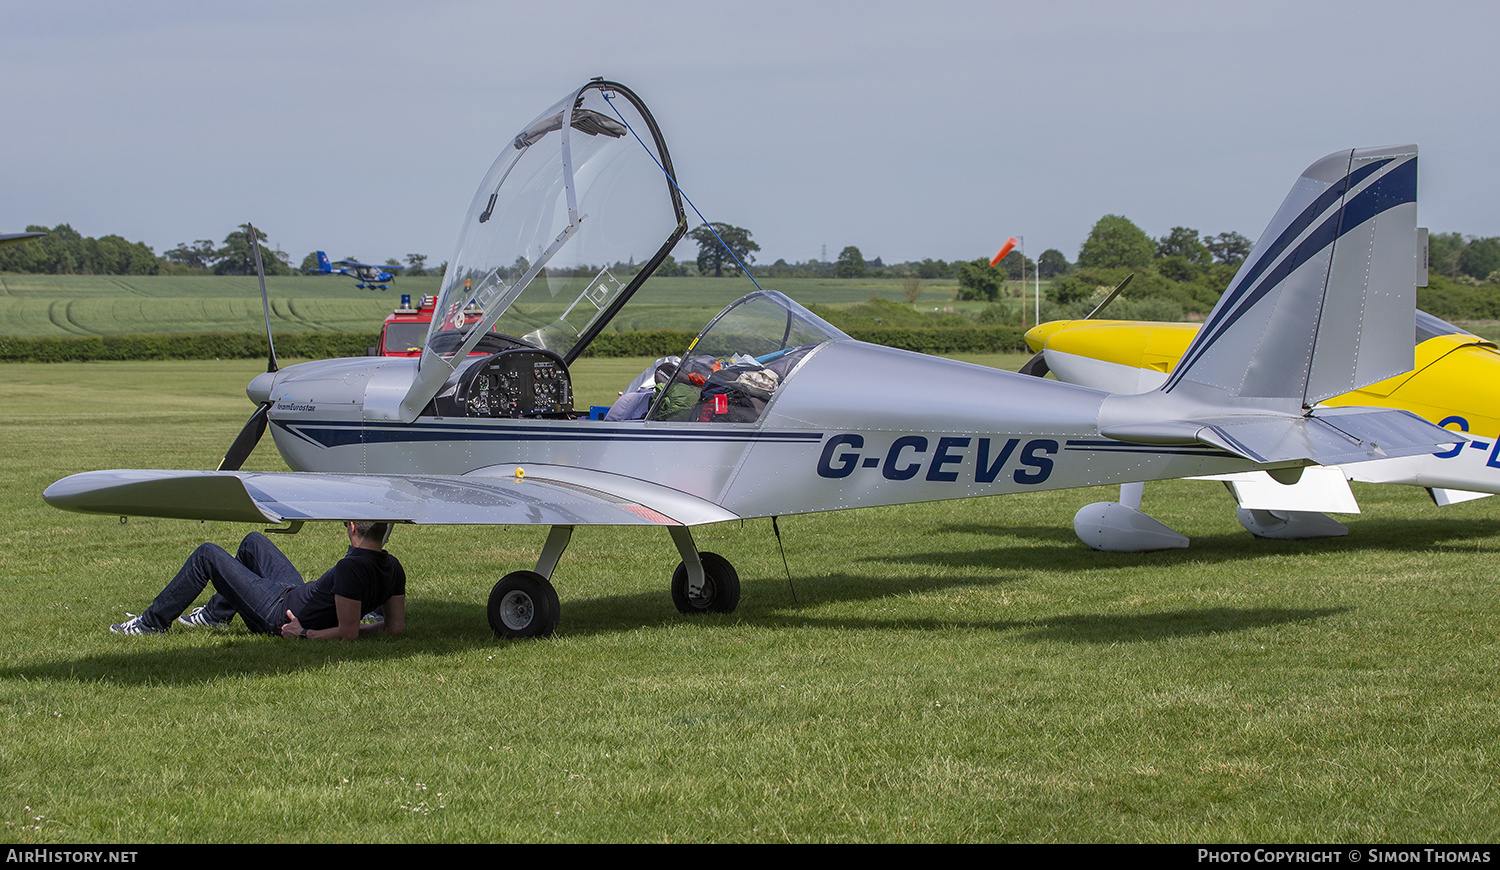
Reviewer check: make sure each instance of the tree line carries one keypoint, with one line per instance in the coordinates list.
(65, 251)
(1183, 272)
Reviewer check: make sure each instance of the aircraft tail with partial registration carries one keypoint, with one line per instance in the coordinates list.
(1325, 303)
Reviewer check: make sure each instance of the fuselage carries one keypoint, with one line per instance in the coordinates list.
(853, 425)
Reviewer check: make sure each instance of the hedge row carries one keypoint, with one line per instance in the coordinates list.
(326, 345)
(644, 342)
(237, 345)
(979, 339)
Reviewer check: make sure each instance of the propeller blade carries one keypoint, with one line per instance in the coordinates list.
(245, 442)
(1111, 297)
(1036, 366)
(265, 303)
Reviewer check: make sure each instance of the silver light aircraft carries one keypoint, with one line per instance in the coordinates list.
(771, 411)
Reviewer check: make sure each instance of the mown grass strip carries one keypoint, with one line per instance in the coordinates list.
(956, 671)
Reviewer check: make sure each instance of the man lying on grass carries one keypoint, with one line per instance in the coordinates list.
(260, 584)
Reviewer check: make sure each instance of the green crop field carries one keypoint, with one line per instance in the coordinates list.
(62, 305)
(958, 671)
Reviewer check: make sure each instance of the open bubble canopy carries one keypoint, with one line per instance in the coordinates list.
(571, 219)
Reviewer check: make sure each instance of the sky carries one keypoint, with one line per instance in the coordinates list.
(908, 130)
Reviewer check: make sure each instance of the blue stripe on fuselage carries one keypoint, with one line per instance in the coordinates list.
(341, 434)
(1130, 447)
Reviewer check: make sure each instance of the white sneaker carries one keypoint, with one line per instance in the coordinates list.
(198, 618)
(134, 625)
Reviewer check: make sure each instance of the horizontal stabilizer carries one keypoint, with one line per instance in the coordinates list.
(1326, 436)
(535, 496)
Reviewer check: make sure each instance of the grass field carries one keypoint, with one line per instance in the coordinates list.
(959, 671)
(33, 306)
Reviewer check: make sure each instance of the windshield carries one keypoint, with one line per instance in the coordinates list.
(402, 337)
(733, 368)
(569, 221)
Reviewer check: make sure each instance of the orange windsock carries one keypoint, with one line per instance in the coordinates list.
(1004, 249)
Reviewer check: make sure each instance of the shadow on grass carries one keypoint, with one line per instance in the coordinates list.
(1103, 628)
(1077, 627)
(455, 627)
(1058, 549)
(444, 627)
(187, 656)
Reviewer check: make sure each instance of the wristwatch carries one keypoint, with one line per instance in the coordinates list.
(303, 634)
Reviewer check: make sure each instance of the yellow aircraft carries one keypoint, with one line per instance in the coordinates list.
(1455, 384)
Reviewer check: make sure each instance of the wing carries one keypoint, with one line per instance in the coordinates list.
(355, 264)
(529, 495)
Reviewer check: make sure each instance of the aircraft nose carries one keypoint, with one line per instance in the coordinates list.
(1036, 336)
(259, 389)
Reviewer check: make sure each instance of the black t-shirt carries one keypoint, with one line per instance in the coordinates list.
(370, 577)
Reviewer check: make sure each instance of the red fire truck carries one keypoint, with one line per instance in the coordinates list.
(405, 329)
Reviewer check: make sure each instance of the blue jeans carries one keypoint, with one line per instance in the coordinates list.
(253, 583)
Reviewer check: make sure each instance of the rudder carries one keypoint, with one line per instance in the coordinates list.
(1325, 302)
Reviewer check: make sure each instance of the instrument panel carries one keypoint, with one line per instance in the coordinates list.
(517, 383)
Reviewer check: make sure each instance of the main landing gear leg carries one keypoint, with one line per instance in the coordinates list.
(524, 604)
(557, 541)
(703, 582)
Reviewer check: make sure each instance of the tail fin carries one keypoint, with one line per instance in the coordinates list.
(323, 265)
(1325, 303)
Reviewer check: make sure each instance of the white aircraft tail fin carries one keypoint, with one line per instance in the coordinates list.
(1325, 302)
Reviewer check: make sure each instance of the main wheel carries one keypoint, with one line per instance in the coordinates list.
(721, 587)
(523, 604)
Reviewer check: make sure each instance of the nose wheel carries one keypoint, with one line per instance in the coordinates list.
(523, 604)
